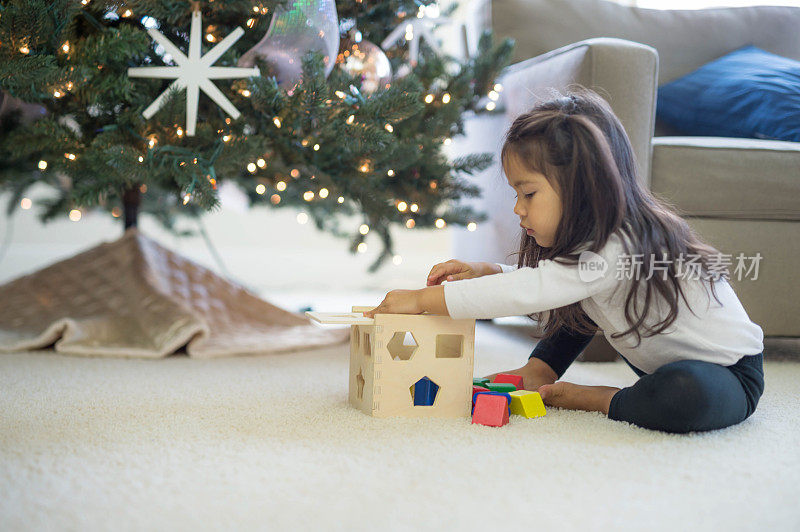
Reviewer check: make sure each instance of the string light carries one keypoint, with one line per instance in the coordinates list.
(85, 2)
(255, 9)
(57, 93)
(340, 199)
(433, 185)
(186, 198)
(116, 212)
(275, 199)
(440, 223)
(295, 173)
(246, 93)
(302, 218)
(308, 196)
(179, 132)
(251, 22)
(340, 94)
(70, 156)
(152, 142)
(410, 223)
(42, 165)
(277, 122)
(127, 13)
(251, 168)
(225, 138)
(210, 37)
(25, 203)
(316, 147)
(261, 163)
(323, 193)
(390, 173)
(447, 142)
(446, 98)
(143, 188)
(414, 207)
(364, 229)
(429, 98)
(350, 119)
(397, 260)
(74, 215)
(362, 247)
(472, 226)
(281, 186)
(402, 206)
(498, 87)
(389, 128)
(493, 95)
(69, 85)
(141, 159)
(364, 168)
(260, 189)
(24, 49)
(490, 106)
(65, 47)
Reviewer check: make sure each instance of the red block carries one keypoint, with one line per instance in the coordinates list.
(476, 389)
(516, 380)
(490, 410)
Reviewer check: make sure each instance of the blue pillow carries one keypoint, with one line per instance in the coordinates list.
(746, 93)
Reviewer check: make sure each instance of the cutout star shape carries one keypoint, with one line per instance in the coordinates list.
(194, 72)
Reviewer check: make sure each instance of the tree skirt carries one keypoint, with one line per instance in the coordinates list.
(134, 298)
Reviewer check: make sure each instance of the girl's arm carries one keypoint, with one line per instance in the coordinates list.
(432, 300)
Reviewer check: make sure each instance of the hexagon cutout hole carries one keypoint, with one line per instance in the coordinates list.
(449, 345)
(402, 346)
(424, 392)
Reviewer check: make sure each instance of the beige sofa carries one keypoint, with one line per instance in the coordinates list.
(741, 195)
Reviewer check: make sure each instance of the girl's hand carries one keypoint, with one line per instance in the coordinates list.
(398, 302)
(453, 270)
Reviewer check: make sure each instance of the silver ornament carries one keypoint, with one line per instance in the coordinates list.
(366, 61)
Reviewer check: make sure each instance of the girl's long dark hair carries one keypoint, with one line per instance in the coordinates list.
(580, 146)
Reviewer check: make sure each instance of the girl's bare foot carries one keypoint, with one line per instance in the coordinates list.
(577, 396)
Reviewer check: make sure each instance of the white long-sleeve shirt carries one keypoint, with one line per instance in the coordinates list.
(716, 333)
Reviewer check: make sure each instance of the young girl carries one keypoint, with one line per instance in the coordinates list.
(598, 250)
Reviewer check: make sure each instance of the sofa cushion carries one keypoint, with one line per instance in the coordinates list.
(728, 177)
(685, 39)
(746, 93)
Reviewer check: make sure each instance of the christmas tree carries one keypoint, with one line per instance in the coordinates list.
(336, 139)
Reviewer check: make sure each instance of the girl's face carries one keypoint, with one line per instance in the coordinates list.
(538, 204)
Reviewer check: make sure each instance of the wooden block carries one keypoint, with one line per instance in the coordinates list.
(516, 380)
(425, 392)
(487, 392)
(480, 381)
(526, 403)
(490, 410)
(501, 387)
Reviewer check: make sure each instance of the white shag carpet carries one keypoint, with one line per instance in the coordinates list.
(269, 443)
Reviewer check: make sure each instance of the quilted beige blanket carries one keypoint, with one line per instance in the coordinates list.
(134, 298)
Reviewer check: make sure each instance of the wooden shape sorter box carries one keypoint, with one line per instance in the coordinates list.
(391, 353)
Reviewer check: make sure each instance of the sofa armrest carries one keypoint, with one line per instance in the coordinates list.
(623, 72)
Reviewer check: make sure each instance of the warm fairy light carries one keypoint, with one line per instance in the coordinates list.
(141, 159)
(85, 2)
(261, 163)
(304, 142)
(186, 198)
(260, 189)
(255, 9)
(490, 106)
(498, 87)
(246, 93)
(116, 212)
(493, 95)
(179, 131)
(389, 128)
(397, 260)
(69, 85)
(410, 223)
(429, 98)
(264, 10)
(228, 120)
(251, 22)
(364, 229)
(323, 193)
(295, 173)
(308, 195)
(414, 207)
(364, 168)
(275, 199)
(340, 199)
(225, 138)
(316, 147)
(42, 165)
(446, 98)
(362, 247)
(210, 38)
(472, 226)
(340, 94)
(433, 185)
(276, 121)
(447, 142)
(25, 203)
(152, 142)
(302, 218)
(350, 119)
(74, 215)
(65, 47)
(70, 156)
(24, 49)
(57, 93)
(440, 223)
(281, 186)
(127, 13)
(390, 173)
(402, 206)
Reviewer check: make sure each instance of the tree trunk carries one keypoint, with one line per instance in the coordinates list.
(130, 206)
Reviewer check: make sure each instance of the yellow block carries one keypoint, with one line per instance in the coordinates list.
(527, 403)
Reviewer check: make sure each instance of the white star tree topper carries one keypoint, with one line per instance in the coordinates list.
(194, 72)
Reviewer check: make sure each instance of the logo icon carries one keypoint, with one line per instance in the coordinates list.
(591, 266)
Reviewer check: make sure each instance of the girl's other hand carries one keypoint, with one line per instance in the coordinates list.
(454, 270)
(398, 302)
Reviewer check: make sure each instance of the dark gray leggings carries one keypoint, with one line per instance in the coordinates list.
(682, 396)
